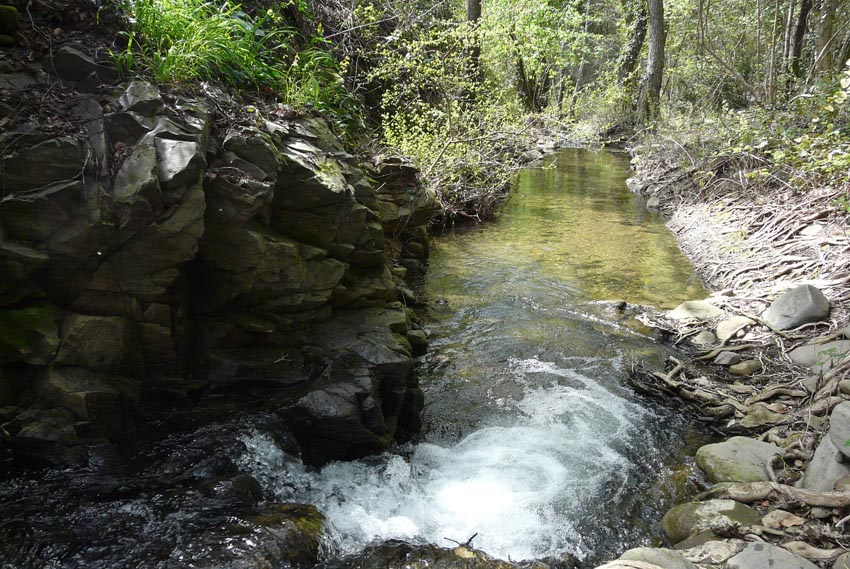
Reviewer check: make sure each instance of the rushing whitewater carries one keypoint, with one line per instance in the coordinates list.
(520, 488)
(532, 444)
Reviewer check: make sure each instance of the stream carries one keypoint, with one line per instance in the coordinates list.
(532, 443)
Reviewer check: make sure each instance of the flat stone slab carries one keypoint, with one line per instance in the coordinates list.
(740, 459)
(796, 307)
(696, 310)
(839, 428)
(757, 555)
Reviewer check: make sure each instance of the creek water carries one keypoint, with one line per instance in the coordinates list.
(532, 442)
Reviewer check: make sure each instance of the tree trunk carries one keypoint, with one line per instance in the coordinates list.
(637, 17)
(823, 61)
(799, 37)
(650, 95)
(473, 14)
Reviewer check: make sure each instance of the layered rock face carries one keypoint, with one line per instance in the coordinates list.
(153, 254)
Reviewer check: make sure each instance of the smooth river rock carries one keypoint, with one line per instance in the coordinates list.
(687, 519)
(842, 562)
(764, 555)
(740, 459)
(746, 368)
(796, 307)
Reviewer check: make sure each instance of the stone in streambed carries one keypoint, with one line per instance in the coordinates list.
(839, 428)
(824, 470)
(29, 335)
(696, 310)
(660, 557)
(796, 307)
(740, 459)
(690, 518)
(757, 555)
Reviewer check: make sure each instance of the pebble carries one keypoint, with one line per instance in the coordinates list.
(705, 337)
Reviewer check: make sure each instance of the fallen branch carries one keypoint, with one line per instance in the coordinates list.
(758, 491)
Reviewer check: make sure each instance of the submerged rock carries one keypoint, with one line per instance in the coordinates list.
(796, 307)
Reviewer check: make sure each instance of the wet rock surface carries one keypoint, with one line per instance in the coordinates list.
(158, 247)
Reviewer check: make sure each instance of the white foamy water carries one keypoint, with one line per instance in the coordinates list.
(523, 488)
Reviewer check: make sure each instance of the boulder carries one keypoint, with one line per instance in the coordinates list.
(824, 471)
(739, 459)
(17, 262)
(690, 518)
(767, 555)
(820, 357)
(695, 310)
(839, 428)
(663, 558)
(796, 307)
(29, 335)
(101, 343)
(401, 555)
(728, 327)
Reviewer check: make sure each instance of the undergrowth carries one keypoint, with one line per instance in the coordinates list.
(178, 41)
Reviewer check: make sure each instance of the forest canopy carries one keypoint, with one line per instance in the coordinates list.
(465, 87)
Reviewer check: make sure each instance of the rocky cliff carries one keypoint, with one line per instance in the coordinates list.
(157, 247)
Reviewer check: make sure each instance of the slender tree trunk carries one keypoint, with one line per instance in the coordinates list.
(788, 35)
(649, 103)
(473, 14)
(823, 61)
(639, 22)
(799, 37)
(770, 85)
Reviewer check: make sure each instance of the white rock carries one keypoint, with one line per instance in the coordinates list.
(820, 357)
(839, 428)
(729, 326)
(664, 558)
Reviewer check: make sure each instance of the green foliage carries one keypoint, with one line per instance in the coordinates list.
(190, 40)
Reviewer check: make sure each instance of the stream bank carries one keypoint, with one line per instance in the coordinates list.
(766, 358)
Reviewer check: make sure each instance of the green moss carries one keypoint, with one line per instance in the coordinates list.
(26, 331)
